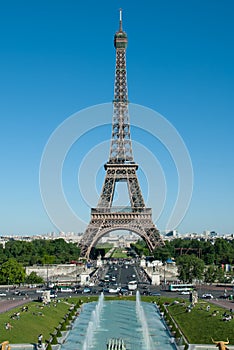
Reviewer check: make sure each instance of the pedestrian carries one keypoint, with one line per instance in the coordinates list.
(40, 336)
(8, 326)
(172, 340)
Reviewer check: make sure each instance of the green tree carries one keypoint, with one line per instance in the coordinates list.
(140, 248)
(208, 253)
(33, 278)
(39, 251)
(220, 275)
(190, 268)
(2, 254)
(210, 274)
(165, 252)
(12, 272)
(223, 251)
(48, 259)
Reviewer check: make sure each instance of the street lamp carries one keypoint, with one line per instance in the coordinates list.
(47, 275)
(165, 274)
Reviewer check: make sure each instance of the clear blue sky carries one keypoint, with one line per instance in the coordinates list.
(57, 58)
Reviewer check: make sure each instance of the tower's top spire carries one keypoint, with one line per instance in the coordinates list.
(120, 21)
(120, 39)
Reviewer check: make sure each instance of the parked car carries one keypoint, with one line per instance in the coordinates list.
(66, 290)
(207, 296)
(114, 290)
(53, 293)
(39, 291)
(105, 290)
(227, 296)
(17, 292)
(147, 292)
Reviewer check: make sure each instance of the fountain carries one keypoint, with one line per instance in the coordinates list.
(104, 323)
(93, 323)
(143, 321)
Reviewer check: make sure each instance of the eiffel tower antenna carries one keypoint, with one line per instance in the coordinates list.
(120, 20)
(120, 168)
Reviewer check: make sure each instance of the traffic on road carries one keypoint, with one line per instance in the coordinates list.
(121, 277)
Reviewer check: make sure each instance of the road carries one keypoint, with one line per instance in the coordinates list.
(119, 275)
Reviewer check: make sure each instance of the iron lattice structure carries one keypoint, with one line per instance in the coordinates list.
(120, 168)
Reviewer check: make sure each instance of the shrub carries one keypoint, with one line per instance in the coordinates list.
(63, 326)
(54, 339)
(66, 320)
(59, 334)
(48, 347)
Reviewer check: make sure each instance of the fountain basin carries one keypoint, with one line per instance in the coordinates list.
(118, 319)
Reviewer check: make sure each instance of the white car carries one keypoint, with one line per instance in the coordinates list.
(2, 294)
(185, 292)
(86, 290)
(66, 290)
(207, 296)
(53, 295)
(114, 290)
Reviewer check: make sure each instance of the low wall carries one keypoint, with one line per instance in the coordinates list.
(59, 273)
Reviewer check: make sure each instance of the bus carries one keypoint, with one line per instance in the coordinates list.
(180, 287)
(132, 285)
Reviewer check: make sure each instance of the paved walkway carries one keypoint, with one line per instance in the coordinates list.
(6, 305)
(227, 304)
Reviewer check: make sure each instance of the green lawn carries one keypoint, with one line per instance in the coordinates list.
(36, 320)
(199, 326)
(104, 246)
(119, 254)
(30, 324)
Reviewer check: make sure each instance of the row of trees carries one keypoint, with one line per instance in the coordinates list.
(16, 255)
(192, 268)
(39, 251)
(221, 251)
(59, 252)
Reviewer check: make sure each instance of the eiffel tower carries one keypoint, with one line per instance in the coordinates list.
(120, 168)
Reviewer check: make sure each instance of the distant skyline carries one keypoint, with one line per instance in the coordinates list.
(58, 58)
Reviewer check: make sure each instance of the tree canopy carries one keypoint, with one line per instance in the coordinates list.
(190, 268)
(217, 252)
(39, 251)
(12, 272)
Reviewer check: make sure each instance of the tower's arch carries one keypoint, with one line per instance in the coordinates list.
(137, 229)
(105, 221)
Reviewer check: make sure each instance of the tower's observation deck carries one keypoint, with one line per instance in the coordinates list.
(120, 39)
(120, 168)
